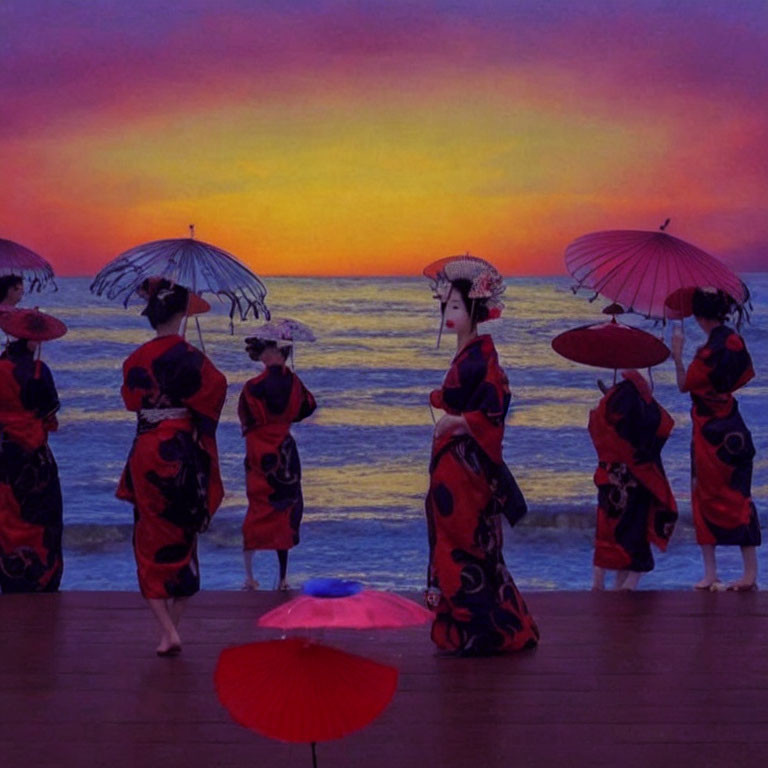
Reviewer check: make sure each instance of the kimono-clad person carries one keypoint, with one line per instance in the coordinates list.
(30, 494)
(269, 404)
(722, 450)
(478, 609)
(635, 505)
(172, 473)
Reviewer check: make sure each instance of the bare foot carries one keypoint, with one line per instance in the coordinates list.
(251, 584)
(283, 585)
(710, 585)
(742, 586)
(169, 645)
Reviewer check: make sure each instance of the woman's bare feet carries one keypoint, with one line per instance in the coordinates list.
(283, 585)
(251, 584)
(709, 584)
(598, 579)
(742, 585)
(170, 645)
(631, 581)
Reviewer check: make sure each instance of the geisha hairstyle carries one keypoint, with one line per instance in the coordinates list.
(255, 346)
(716, 305)
(166, 299)
(477, 309)
(7, 282)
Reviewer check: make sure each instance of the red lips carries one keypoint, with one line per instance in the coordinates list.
(449, 324)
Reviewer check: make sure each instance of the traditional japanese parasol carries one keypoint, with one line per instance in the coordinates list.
(199, 266)
(611, 345)
(296, 690)
(641, 269)
(340, 604)
(32, 325)
(15, 259)
(284, 331)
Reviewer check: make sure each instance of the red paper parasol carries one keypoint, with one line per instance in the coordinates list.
(296, 690)
(31, 324)
(368, 609)
(611, 345)
(640, 269)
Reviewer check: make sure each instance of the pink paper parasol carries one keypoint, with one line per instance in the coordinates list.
(367, 609)
(641, 269)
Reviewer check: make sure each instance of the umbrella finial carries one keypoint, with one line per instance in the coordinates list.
(664, 225)
(192, 231)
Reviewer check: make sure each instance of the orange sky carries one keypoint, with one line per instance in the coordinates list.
(339, 138)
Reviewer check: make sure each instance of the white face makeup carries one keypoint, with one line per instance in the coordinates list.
(456, 318)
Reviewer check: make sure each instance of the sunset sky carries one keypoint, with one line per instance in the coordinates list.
(321, 137)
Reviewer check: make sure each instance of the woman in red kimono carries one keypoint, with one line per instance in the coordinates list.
(722, 450)
(172, 473)
(635, 505)
(30, 494)
(269, 404)
(478, 609)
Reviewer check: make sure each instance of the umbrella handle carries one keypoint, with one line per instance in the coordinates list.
(200, 335)
(314, 754)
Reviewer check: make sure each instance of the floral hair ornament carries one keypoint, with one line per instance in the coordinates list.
(487, 284)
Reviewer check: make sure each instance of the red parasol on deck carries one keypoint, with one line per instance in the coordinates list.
(641, 269)
(296, 690)
(611, 345)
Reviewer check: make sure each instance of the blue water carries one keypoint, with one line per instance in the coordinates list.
(365, 452)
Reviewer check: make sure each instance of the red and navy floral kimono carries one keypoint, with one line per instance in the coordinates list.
(172, 473)
(268, 405)
(635, 505)
(722, 448)
(480, 610)
(30, 494)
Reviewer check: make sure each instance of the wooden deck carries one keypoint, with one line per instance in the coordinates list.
(645, 679)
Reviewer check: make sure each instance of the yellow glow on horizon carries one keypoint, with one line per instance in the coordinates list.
(333, 186)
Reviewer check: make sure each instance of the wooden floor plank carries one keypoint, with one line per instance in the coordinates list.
(646, 679)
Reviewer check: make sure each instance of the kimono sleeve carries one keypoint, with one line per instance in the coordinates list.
(307, 404)
(39, 394)
(485, 396)
(137, 383)
(208, 399)
(250, 411)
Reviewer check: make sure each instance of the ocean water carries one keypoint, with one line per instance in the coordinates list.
(365, 452)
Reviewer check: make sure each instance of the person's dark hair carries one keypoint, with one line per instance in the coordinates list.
(18, 348)
(477, 309)
(255, 346)
(715, 305)
(7, 282)
(166, 299)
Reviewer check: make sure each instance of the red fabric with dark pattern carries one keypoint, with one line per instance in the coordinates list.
(30, 494)
(722, 450)
(268, 405)
(635, 502)
(172, 473)
(480, 609)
